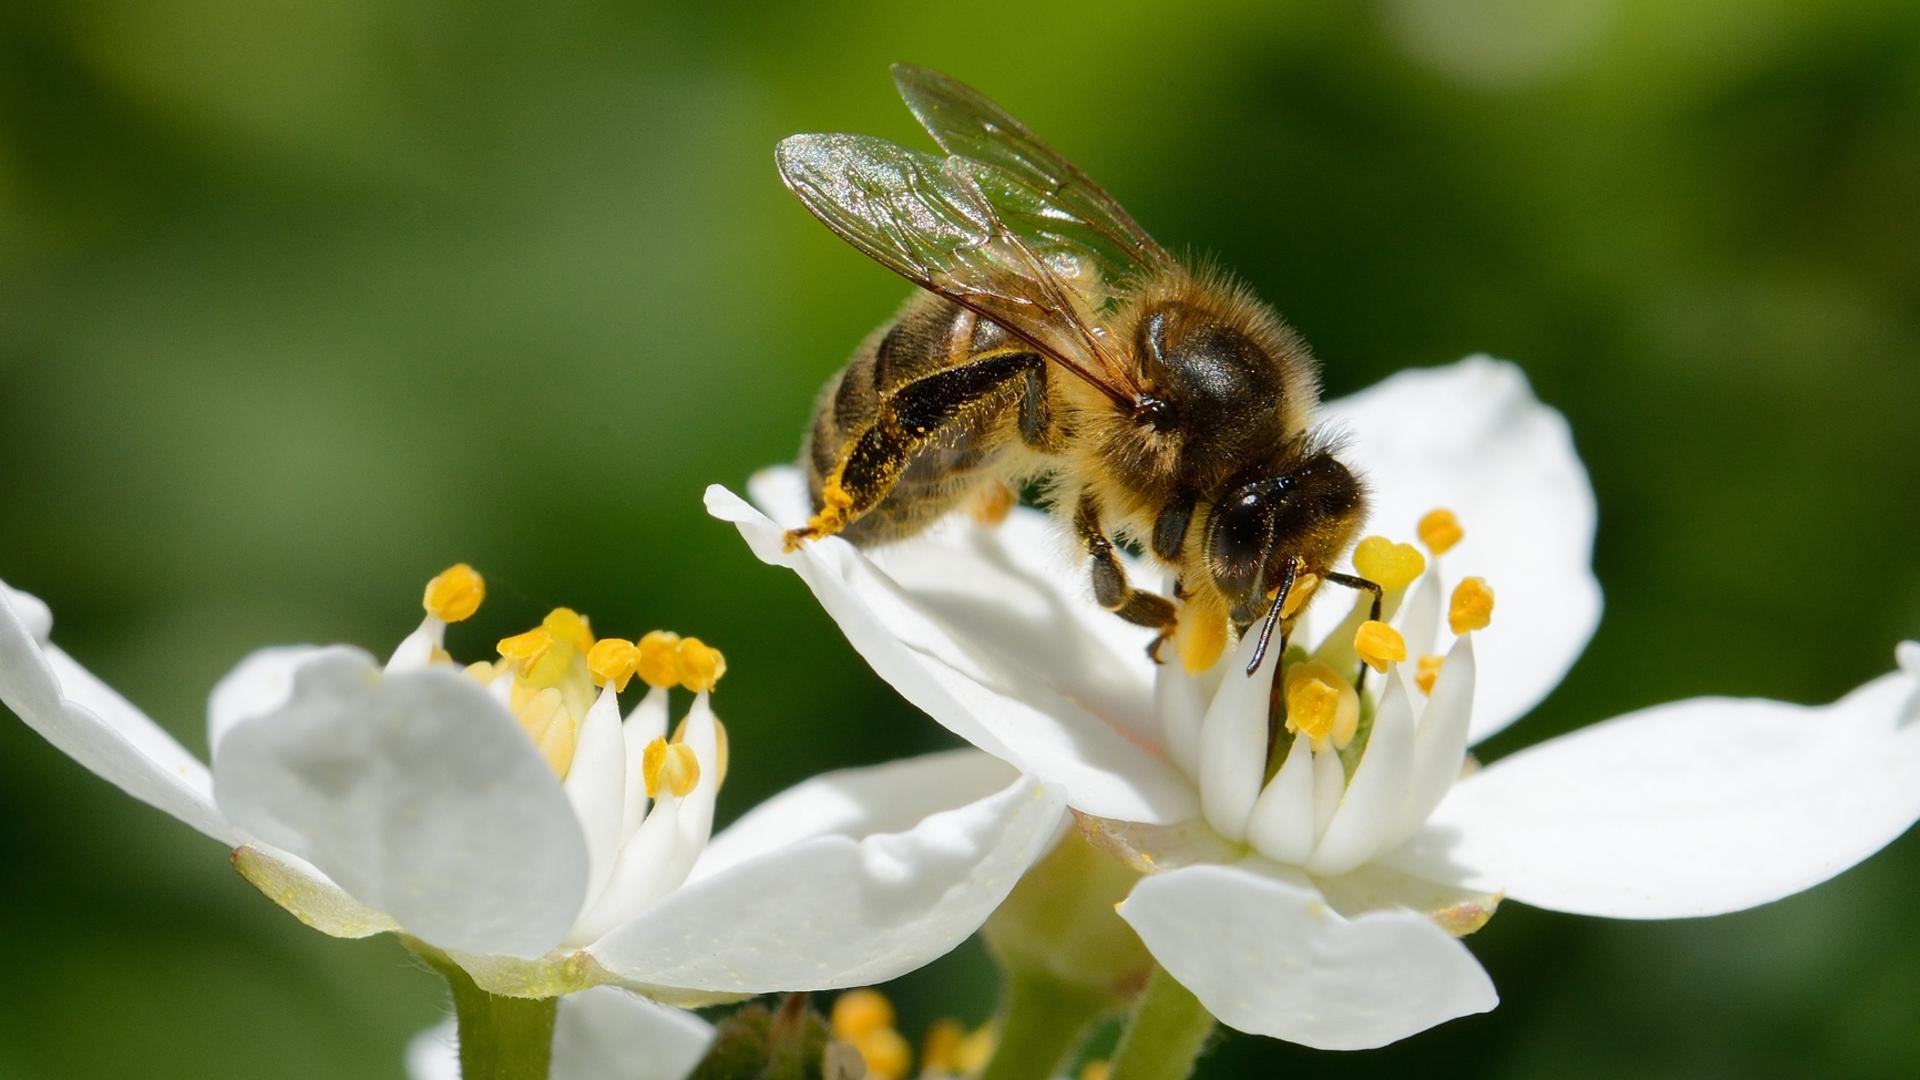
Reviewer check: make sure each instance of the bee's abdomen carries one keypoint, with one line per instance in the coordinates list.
(927, 335)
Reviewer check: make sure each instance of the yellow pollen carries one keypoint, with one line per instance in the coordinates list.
(940, 1050)
(1387, 564)
(1379, 644)
(546, 721)
(525, 649)
(1201, 634)
(860, 1012)
(568, 627)
(659, 664)
(886, 1053)
(611, 662)
(1429, 671)
(1321, 704)
(1440, 530)
(455, 593)
(699, 665)
(1298, 596)
(1472, 607)
(669, 764)
(1097, 1069)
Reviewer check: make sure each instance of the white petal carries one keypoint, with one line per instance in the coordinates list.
(984, 664)
(833, 911)
(1419, 620)
(1440, 746)
(1181, 702)
(1269, 956)
(87, 721)
(257, 685)
(28, 608)
(1372, 807)
(1472, 437)
(1282, 827)
(1694, 808)
(597, 1033)
(1329, 784)
(306, 893)
(1233, 742)
(596, 785)
(420, 796)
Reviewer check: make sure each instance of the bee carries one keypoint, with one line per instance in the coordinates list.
(1054, 341)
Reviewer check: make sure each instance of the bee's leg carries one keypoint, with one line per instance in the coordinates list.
(1110, 587)
(1379, 595)
(911, 417)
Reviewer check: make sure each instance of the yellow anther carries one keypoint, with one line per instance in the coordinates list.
(1321, 704)
(455, 593)
(1298, 596)
(720, 751)
(1429, 671)
(669, 765)
(1379, 644)
(659, 658)
(524, 649)
(1440, 530)
(546, 721)
(886, 1053)
(860, 1012)
(1387, 564)
(940, 1050)
(1097, 1069)
(482, 672)
(699, 665)
(568, 627)
(1472, 607)
(611, 662)
(976, 1050)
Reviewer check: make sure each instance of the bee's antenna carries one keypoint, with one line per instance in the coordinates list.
(1273, 615)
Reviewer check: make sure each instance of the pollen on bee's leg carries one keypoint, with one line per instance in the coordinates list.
(1389, 565)
(992, 505)
(1429, 671)
(1472, 606)
(1379, 644)
(1201, 635)
(1440, 530)
(670, 767)
(834, 503)
(455, 593)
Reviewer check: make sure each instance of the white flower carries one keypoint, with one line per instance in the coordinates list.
(501, 814)
(1316, 899)
(599, 1033)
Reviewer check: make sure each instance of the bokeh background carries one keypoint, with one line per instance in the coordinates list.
(300, 302)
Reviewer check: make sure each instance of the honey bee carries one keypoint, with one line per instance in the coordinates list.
(1055, 341)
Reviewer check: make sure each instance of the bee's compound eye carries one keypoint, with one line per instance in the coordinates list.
(1239, 531)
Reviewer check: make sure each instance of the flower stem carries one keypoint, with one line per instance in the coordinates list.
(1042, 1020)
(1165, 1035)
(501, 1038)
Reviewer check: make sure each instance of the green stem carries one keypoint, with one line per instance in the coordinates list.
(501, 1038)
(1042, 1020)
(1165, 1035)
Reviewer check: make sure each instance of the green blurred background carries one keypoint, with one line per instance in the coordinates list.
(300, 302)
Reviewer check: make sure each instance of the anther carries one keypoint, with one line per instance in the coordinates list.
(1429, 671)
(859, 1012)
(1392, 566)
(940, 1050)
(698, 664)
(455, 593)
(1297, 597)
(1321, 705)
(1097, 1069)
(886, 1053)
(720, 751)
(669, 765)
(1440, 530)
(546, 721)
(568, 627)
(525, 650)
(611, 662)
(658, 664)
(1472, 606)
(1379, 644)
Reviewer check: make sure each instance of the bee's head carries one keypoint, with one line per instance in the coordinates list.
(1307, 506)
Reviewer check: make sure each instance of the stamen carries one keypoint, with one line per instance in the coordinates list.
(1391, 566)
(568, 627)
(940, 1050)
(1429, 671)
(611, 662)
(1472, 606)
(482, 672)
(1097, 1069)
(1440, 530)
(859, 1012)
(719, 746)
(1379, 644)
(659, 664)
(698, 664)
(671, 764)
(1297, 597)
(546, 721)
(1321, 704)
(455, 593)
(525, 650)
(886, 1053)
(439, 655)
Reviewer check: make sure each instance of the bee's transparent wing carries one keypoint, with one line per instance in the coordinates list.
(1044, 198)
(929, 220)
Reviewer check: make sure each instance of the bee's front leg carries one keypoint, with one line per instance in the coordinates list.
(1111, 589)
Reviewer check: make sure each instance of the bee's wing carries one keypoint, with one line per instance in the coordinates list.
(1041, 195)
(928, 220)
